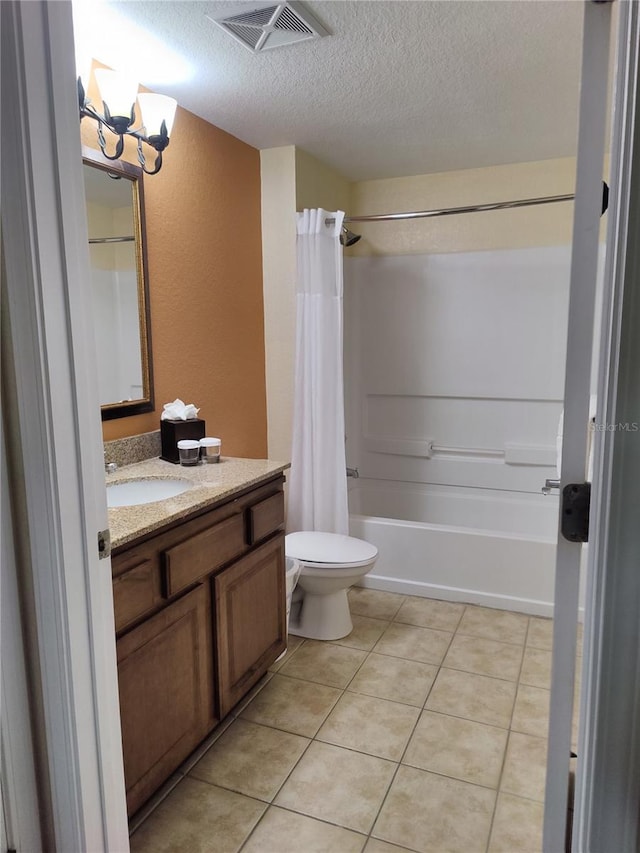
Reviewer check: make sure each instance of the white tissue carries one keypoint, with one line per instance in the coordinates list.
(178, 411)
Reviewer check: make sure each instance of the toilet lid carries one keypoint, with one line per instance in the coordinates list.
(315, 547)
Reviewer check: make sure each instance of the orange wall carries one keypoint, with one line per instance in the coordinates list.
(205, 278)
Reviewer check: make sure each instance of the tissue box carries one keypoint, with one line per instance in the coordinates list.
(171, 432)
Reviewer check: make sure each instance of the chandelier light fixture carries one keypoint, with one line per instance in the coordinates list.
(119, 93)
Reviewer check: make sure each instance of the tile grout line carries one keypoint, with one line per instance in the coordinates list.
(312, 740)
(235, 715)
(404, 751)
(301, 814)
(271, 802)
(315, 740)
(421, 709)
(306, 749)
(440, 666)
(522, 645)
(504, 757)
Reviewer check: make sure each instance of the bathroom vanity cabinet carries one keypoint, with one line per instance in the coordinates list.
(200, 616)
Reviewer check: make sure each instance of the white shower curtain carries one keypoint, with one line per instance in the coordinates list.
(318, 482)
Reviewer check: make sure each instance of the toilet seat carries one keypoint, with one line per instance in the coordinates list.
(329, 550)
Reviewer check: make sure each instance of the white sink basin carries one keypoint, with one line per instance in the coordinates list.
(135, 492)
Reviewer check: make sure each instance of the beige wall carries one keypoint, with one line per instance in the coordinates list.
(317, 185)
(291, 180)
(278, 180)
(546, 225)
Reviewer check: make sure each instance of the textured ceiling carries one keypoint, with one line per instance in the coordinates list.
(399, 88)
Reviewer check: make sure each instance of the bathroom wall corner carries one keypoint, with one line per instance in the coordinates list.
(278, 179)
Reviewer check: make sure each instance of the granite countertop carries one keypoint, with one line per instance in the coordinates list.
(211, 483)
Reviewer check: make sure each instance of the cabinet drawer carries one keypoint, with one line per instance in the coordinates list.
(265, 517)
(203, 553)
(136, 592)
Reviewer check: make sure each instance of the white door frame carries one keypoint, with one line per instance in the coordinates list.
(608, 783)
(577, 388)
(19, 808)
(55, 429)
(56, 419)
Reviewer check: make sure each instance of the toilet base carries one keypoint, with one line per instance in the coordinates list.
(323, 617)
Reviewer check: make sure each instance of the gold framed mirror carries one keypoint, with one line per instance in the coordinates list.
(114, 196)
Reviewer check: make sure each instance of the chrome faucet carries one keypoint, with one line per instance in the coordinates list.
(109, 467)
(352, 472)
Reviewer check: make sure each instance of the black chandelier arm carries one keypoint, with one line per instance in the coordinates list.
(87, 111)
(121, 127)
(103, 144)
(158, 141)
(156, 166)
(118, 124)
(142, 159)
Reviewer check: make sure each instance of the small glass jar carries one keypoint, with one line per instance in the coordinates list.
(210, 449)
(189, 451)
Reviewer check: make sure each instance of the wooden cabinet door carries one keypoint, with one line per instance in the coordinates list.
(250, 619)
(165, 673)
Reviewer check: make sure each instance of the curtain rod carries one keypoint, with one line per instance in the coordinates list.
(449, 211)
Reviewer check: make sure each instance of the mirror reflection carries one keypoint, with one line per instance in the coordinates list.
(115, 217)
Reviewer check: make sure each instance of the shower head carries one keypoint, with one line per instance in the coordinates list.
(348, 238)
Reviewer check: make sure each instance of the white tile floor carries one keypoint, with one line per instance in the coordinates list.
(424, 730)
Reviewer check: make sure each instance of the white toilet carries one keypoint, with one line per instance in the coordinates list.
(329, 565)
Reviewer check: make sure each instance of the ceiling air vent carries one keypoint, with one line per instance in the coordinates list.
(274, 25)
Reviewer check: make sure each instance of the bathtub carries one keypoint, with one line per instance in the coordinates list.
(481, 546)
